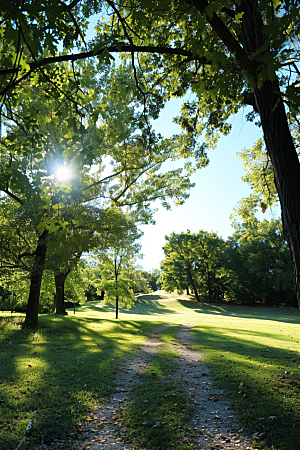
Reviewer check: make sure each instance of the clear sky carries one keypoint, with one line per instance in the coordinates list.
(218, 189)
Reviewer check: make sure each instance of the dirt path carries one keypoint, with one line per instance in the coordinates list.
(214, 422)
(103, 432)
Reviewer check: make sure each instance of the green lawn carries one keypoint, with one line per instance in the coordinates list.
(54, 375)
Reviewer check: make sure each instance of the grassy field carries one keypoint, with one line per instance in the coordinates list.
(57, 373)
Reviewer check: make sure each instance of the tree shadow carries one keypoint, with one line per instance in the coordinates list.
(54, 374)
(245, 368)
(144, 305)
(281, 314)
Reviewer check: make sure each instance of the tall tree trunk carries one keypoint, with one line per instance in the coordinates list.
(193, 284)
(269, 104)
(117, 295)
(278, 139)
(117, 307)
(31, 319)
(187, 291)
(60, 279)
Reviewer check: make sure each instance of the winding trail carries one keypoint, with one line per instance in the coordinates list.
(214, 423)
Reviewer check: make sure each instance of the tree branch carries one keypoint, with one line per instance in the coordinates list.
(227, 38)
(12, 195)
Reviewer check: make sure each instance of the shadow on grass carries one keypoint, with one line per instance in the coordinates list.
(289, 315)
(264, 381)
(53, 375)
(144, 305)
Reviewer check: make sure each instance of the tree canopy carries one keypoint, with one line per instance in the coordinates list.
(252, 266)
(226, 54)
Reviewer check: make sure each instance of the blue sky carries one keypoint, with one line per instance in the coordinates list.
(218, 189)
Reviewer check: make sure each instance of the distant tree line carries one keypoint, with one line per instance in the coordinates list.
(253, 266)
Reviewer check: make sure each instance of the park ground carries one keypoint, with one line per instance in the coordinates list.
(57, 375)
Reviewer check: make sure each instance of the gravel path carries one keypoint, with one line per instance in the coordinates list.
(109, 434)
(214, 422)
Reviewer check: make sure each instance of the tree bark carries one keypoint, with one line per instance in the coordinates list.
(31, 319)
(116, 280)
(117, 307)
(60, 279)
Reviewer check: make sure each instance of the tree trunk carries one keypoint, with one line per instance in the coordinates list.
(187, 291)
(60, 279)
(269, 104)
(278, 139)
(116, 280)
(193, 284)
(117, 307)
(31, 319)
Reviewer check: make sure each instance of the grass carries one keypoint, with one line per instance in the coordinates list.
(56, 374)
(157, 417)
(53, 376)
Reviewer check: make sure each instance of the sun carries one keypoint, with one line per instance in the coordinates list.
(63, 173)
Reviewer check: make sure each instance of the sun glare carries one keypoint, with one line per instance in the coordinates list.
(63, 173)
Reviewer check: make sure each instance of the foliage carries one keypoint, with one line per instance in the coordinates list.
(192, 260)
(141, 281)
(254, 265)
(259, 256)
(259, 175)
(120, 289)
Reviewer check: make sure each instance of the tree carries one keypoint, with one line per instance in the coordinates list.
(140, 281)
(193, 260)
(254, 265)
(259, 256)
(232, 53)
(132, 180)
(227, 53)
(116, 262)
(144, 281)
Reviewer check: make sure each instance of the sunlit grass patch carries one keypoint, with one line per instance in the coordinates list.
(258, 361)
